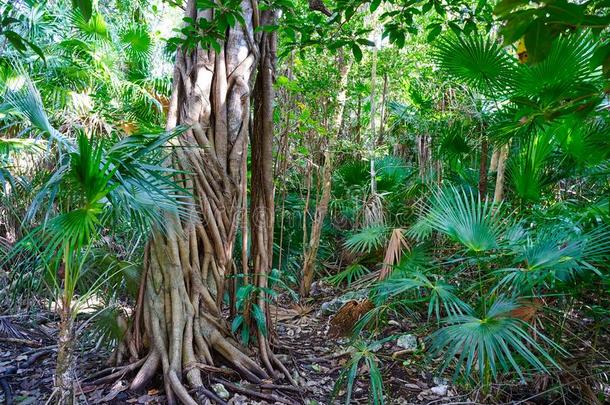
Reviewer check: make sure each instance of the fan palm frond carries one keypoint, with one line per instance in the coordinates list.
(490, 340)
(367, 239)
(419, 286)
(555, 255)
(527, 170)
(351, 273)
(137, 43)
(566, 68)
(25, 100)
(478, 62)
(464, 217)
(95, 28)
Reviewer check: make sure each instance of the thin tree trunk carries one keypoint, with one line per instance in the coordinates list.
(382, 114)
(483, 169)
(262, 205)
(493, 164)
(502, 158)
(311, 252)
(64, 373)
(372, 137)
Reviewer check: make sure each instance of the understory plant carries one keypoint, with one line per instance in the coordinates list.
(93, 185)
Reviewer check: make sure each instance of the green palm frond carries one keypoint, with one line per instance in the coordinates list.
(417, 286)
(584, 144)
(454, 142)
(144, 187)
(93, 29)
(137, 43)
(478, 62)
(367, 240)
(490, 341)
(25, 100)
(555, 255)
(528, 171)
(567, 69)
(363, 354)
(351, 273)
(464, 217)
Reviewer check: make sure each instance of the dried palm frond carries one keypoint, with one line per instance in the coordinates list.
(349, 314)
(397, 244)
(372, 211)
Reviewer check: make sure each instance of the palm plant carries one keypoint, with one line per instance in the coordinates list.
(554, 256)
(464, 217)
(528, 169)
(364, 353)
(91, 186)
(367, 240)
(413, 286)
(488, 339)
(479, 62)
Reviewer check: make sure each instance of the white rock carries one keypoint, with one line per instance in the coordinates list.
(221, 391)
(407, 342)
(440, 390)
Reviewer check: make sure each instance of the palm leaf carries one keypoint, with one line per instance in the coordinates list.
(477, 62)
(490, 341)
(464, 217)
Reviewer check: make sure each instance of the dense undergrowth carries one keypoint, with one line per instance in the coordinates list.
(468, 190)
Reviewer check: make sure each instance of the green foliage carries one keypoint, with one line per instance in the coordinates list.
(489, 340)
(556, 256)
(478, 62)
(367, 239)
(411, 287)
(351, 273)
(541, 22)
(363, 354)
(461, 215)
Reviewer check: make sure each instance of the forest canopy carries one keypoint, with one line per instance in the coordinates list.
(280, 201)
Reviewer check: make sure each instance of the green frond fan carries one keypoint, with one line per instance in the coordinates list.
(95, 28)
(556, 257)
(488, 340)
(565, 74)
(480, 63)
(527, 170)
(583, 144)
(479, 225)
(367, 240)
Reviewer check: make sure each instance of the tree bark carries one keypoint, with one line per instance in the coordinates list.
(64, 376)
(311, 252)
(501, 169)
(483, 168)
(178, 325)
(262, 210)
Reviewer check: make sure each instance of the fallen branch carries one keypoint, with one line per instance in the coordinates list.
(26, 342)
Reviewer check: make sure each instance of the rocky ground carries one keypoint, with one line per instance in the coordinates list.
(304, 345)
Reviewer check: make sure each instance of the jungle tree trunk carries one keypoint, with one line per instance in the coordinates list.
(64, 380)
(178, 327)
(311, 252)
(262, 212)
(483, 168)
(501, 169)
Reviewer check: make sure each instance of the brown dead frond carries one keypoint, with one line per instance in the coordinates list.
(528, 309)
(349, 314)
(396, 245)
(372, 211)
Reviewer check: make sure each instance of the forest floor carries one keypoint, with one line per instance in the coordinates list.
(304, 344)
